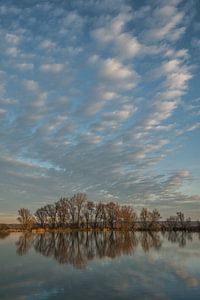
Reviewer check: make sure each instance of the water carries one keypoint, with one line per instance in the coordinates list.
(100, 266)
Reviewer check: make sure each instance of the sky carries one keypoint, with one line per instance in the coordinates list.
(100, 97)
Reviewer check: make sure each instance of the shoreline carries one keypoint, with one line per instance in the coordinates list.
(70, 230)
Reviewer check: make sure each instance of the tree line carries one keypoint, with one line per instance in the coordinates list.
(77, 212)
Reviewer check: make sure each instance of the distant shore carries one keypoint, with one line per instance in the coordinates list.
(162, 226)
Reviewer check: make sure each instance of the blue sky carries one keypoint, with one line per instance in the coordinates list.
(101, 97)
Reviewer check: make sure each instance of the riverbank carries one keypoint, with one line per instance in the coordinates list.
(161, 226)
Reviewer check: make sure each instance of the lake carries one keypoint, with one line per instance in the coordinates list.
(107, 265)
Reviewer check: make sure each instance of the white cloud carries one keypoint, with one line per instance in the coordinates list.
(188, 128)
(123, 43)
(178, 80)
(108, 95)
(2, 88)
(31, 85)
(12, 51)
(47, 45)
(73, 18)
(12, 39)
(175, 181)
(25, 66)
(124, 113)
(52, 68)
(123, 76)
(166, 23)
(90, 138)
(176, 74)
(149, 148)
(114, 70)
(162, 111)
(40, 100)
(193, 127)
(2, 111)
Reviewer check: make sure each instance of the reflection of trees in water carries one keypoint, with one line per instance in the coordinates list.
(4, 231)
(113, 244)
(178, 237)
(4, 234)
(24, 243)
(77, 248)
(150, 240)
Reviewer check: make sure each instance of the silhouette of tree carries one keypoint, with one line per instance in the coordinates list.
(183, 223)
(150, 220)
(100, 216)
(79, 213)
(51, 212)
(41, 216)
(127, 218)
(112, 213)
(79, 200)
(88, 212)
(178, 222)
(62, 209)
(25, 218)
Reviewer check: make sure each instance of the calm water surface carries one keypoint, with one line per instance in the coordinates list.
(100, 266)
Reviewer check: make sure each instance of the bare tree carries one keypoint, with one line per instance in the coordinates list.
(25, 218)
(99, 215)
(112, 214)
(127, 217)
(144, 218)
(41, 216)
(88, 212)
(62, 209)
(183, 223)
(154, 220)
(150, 220)
(52, 214)
(172, 223)
(79, 200)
